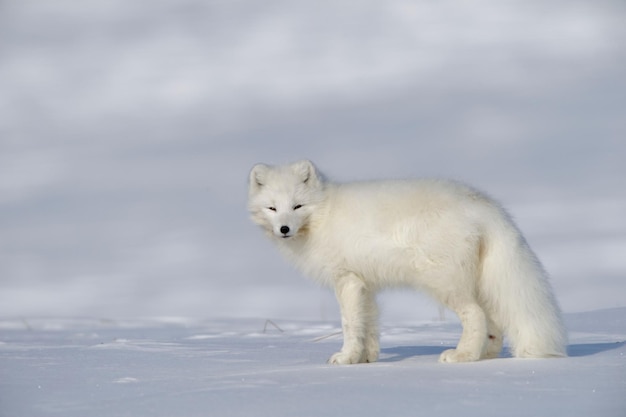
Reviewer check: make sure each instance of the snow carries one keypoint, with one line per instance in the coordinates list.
(127, 130)
(230, 367)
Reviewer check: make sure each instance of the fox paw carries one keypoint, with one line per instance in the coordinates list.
(370, 357)
(345, 358)
(455, 356)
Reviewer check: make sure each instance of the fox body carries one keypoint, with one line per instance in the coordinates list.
(439, 236)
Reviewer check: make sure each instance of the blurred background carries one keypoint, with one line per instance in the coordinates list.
(127, 130)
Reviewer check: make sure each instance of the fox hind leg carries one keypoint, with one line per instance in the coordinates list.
(494, 340)
(471, 346)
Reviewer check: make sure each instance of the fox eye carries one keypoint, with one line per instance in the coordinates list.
(272, 208)
(297, 206)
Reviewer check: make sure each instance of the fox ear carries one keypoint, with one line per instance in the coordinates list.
(257, 176)
(307, 172)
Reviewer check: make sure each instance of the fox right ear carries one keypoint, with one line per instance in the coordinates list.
(307, 172)
(257, 175)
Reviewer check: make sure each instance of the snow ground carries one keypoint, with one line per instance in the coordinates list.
(180, 367)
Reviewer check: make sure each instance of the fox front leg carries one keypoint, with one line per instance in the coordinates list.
(359, 320)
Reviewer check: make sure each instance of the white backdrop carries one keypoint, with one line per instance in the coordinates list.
(127, 130)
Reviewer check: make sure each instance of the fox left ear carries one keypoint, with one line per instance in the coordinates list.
(307, 172)
(257, 176)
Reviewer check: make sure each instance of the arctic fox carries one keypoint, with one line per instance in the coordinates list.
(439, 236)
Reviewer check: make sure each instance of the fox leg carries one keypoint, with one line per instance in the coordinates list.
(473, 341)
(372, 344)
(359, 318)
(494, 340)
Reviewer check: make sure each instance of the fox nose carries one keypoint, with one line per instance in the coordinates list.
(284, 230)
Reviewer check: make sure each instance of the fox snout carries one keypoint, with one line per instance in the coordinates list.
(284, 231)
(286, 225)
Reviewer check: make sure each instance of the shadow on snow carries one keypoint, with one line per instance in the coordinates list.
(400, 353)
(589, 349)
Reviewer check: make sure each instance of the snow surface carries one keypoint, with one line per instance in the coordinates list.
(127, 130)
(178, 367)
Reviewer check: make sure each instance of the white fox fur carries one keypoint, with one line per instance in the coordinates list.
(439, 236)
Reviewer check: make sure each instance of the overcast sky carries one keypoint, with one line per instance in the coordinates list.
(127, 130)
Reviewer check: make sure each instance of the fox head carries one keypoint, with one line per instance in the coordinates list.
(281, 199)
